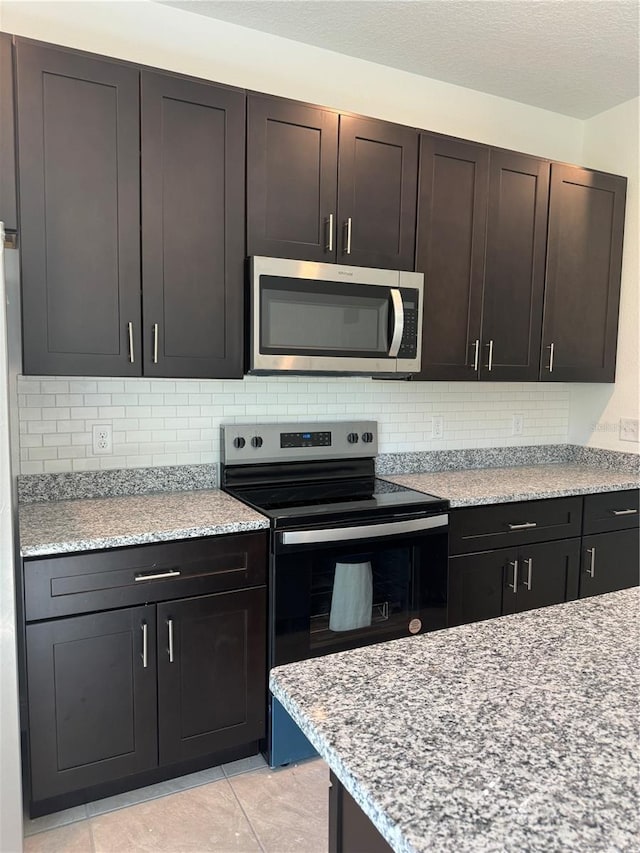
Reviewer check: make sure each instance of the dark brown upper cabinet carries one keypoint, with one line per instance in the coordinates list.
(377, 186)
(481, 245)
(78, 147)
(8, 203)
(324, 187)
(584, 261)
(292, 179)
(452, 217)
(514, 267)
(192, 227)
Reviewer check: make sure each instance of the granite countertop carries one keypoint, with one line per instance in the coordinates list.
(515, 734)
(59, 527)
(473, 487)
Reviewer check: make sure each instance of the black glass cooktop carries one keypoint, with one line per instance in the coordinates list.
(339, 500)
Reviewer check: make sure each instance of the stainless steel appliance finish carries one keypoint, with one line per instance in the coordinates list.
(251, 444)
(354, 560)
(331, 318)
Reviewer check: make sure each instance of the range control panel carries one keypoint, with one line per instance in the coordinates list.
(252, 443)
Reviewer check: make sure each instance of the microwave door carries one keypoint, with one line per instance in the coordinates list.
(397, 312)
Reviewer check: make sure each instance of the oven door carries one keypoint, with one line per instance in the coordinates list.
(339, 588)
(324, 318)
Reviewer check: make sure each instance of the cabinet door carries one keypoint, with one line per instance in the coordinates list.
(78, 146)
(211, 673)
(610, 561)
(377, 191)
(514, 267)
(452, 214)
(547, 573)
(192, 227)
(476, 583)
(8, 205)
(292, 176)
(584, 260)
(92, 699)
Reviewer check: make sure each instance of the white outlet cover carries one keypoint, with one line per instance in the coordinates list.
(437, 426)
(629, 429)
(517, 424)
(102, 435)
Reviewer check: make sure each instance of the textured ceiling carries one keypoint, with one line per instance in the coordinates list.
(576, 57)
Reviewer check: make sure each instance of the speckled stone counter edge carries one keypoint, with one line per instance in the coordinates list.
(35, 488)
(428, 461)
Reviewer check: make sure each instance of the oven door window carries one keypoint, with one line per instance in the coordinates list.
(328, 599)
(323, 318)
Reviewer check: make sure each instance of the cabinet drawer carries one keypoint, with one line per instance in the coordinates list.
(61, 586)
(502, 525)
(610, 511)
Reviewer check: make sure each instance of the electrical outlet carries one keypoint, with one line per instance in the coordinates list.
(102, 439)
(629, 429)
(437, 426)
(517, 425)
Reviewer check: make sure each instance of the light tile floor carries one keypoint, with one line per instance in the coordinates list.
(241, 807)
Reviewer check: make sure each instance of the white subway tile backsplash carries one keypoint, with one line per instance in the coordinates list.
(169, 422)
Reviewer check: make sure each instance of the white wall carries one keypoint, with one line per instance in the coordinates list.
(611, 144)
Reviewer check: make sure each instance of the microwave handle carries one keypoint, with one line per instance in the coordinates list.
(398, 322)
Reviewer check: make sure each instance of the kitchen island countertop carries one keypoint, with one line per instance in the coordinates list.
(514, 734)
(60, 527)
(477, 486)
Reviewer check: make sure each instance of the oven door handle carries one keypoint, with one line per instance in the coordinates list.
(367, 531)
(398, 322)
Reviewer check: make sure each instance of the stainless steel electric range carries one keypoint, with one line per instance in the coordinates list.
(354, 560)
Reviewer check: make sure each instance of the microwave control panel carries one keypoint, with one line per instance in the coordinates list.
(409, 343)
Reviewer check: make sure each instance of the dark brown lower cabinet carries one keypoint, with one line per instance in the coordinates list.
(92, 699)
(211, 673)
(512, 580)
(350, 830)
(610, 561)
(118, 693)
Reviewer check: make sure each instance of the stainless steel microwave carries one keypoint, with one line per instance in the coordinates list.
(330, 318)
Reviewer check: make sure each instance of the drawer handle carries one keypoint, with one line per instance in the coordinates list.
(624, 511)
(170, 633)
(523, 526)
(529, 563)
(172, 573)
(514, 583)
(591, 571)
(144, 645)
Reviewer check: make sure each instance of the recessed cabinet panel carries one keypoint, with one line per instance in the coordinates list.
(546, 573)
(610, 561)
(476, 586)
(292, 173)
(377, 187)
(514, 267)
(79, 199)
(450, 252)
(92, 699)
(584, 256)
(192, 227)
(211, 673)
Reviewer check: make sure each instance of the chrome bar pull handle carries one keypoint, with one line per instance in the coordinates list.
(529, 563)
(591, 571)
(155, 343)
(524, 526)
(171, 573)
(170, 637)
(490, 361)
(624, 511)
(347, 250)
(329, 243)
(514, 583)
(551, 349)
(130, 334)
(145, 648)
(476, 356)
(398, 322)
